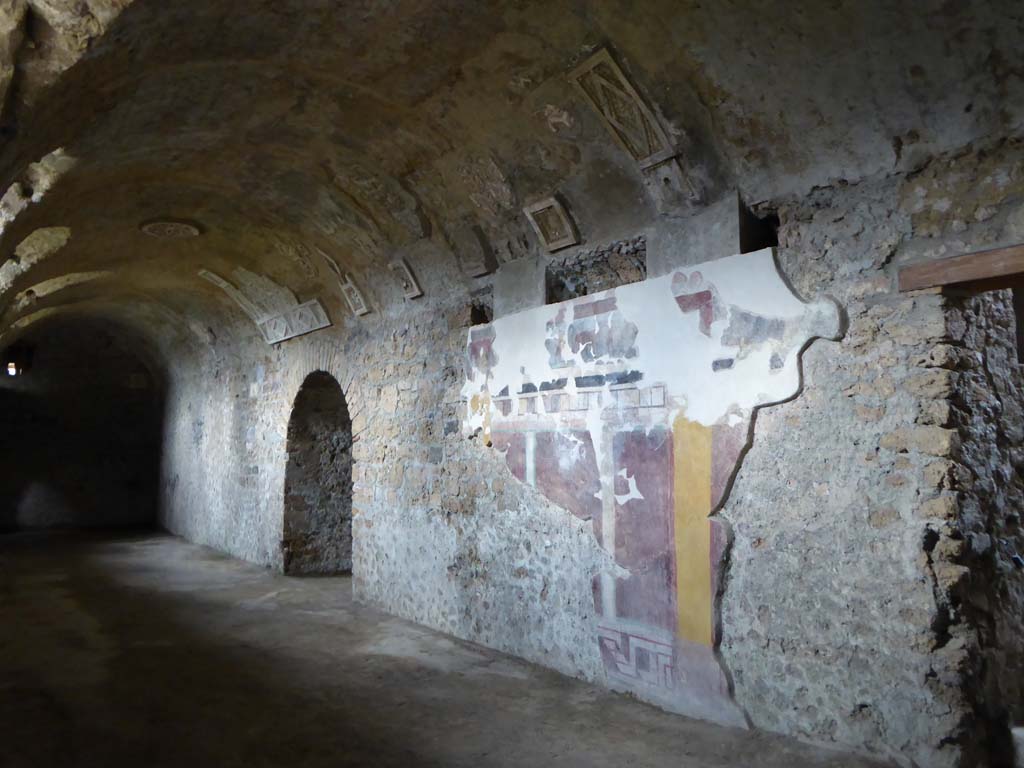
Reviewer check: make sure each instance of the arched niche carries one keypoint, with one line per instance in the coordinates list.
(317, 531)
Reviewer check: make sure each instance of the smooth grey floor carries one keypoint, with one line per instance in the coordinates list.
(144, 650)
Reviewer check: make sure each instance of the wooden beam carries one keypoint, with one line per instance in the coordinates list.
(984, 270)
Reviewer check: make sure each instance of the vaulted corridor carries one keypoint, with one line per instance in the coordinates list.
(673, 347)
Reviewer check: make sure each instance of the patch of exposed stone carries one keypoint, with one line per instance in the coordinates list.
(580, 273)
(875, 453)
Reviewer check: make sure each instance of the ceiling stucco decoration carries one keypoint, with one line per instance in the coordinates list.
(349, 290)
(410, 286)
(384, 197)
(30, 296)
(488, 187)
(296, 321)
(353, 296)
(624, 113)
(472, 250)
(298, 254)
(632, 123)
(171, 229)
(513, 247)
(272, 129)
(346, 220)
(552, 223)
(274, 309)
(24, 322)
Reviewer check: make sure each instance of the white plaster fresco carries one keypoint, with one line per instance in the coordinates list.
(670, 348)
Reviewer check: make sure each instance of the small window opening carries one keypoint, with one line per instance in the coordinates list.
(757, 232)
(479, 314)
(481, 310)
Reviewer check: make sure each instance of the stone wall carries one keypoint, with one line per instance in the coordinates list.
(985, 540)
(970, 201)
(847, 617)
(443, 535)
(830, 599)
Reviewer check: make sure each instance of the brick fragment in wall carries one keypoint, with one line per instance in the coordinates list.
(936, 412)
(939, 474)
(883, 517)
(942, 356)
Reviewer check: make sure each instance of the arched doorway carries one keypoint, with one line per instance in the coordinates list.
(317, 535)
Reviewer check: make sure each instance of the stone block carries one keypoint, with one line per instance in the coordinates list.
(519, 285)
(934, 441)
(936, 383)
(943, 507)
(710, 233)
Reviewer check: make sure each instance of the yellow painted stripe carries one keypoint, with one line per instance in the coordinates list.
(692, 457)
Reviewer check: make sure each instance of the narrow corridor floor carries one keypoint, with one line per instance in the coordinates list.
(145, 650)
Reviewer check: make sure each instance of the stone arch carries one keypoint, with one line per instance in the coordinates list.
(317, 525)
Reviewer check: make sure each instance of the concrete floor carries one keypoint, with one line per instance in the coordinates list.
(144, 650)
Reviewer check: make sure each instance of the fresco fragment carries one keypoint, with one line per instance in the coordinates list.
(632, 409)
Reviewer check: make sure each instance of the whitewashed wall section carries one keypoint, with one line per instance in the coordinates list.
(631, 408)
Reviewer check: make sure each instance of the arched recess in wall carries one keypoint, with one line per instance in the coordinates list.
(317, 532)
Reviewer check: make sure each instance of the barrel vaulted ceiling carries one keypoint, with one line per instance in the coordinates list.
(308, 138)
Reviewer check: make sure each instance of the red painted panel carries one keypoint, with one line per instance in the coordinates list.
(644, 527)
(513, 445)
(566, 472)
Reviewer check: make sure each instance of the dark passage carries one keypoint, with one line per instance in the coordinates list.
(81, 417)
